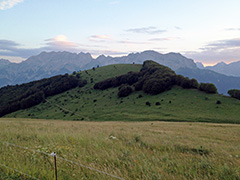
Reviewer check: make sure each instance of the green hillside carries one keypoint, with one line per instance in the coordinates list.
(177, 104)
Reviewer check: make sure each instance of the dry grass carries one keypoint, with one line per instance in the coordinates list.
(141, 150)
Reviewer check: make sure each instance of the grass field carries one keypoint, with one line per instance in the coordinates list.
(95, 105)
(141, 150)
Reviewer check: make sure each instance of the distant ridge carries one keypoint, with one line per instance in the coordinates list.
(4, 62)
(48, 64)
(232, 69)
(221, 81)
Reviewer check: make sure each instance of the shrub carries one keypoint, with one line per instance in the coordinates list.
(178, 80)
(157, 103)
(140, 96)
(218, 102)
(124, 91)
(208, 88)
(235, 93)
(156, 86)
(194, 84)
(138, 85)
(148, 103)
(185, 82)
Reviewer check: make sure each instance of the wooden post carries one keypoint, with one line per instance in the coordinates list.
(55, 163)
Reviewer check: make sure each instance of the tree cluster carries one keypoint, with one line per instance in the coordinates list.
(23, 96)
(129, 78)
(154, 78)
(235, 93)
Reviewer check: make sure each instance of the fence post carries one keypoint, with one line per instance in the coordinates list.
(55, 163)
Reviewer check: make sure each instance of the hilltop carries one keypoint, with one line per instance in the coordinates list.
(176, 104)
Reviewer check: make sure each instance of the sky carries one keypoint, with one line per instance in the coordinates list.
(207, 31)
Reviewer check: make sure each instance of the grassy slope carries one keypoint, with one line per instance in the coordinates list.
(141, 150)
(186, 105)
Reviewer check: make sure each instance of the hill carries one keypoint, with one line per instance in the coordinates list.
(177, 104)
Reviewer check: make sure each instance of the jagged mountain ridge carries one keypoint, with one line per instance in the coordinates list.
(4, 62)
(48, 64)
(172, 60)
(232, 69)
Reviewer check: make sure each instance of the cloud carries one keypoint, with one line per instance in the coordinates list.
(107, 52)
(132, 42)
(232, 29)
(13, 49)
(100, 38)
(6, 4)
(146, 30)
(109, 38)
(61, 42)
(5, 44)
(164, 39)
(227, 50)
(178, 28)
(223, 44)
(58, 43)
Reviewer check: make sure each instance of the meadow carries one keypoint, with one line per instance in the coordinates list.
(130, 150)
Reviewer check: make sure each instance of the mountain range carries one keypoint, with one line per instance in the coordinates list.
(48, 64)
(232, 69)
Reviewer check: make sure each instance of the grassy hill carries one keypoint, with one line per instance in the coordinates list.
(177, 104)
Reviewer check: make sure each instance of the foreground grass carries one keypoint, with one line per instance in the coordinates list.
(141, 150)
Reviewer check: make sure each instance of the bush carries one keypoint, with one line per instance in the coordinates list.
(124, 90)
(138, 85)
(148, 103)
(156, 86)
(208, 88)
(185, 82)
(140, 96)
(235, 93)
(178, 80)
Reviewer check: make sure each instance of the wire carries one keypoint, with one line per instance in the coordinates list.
(73, 162)
(90, 168)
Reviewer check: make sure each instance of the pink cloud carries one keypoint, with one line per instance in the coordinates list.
(100, 38)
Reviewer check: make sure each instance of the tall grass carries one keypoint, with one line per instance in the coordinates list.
(141, 150)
